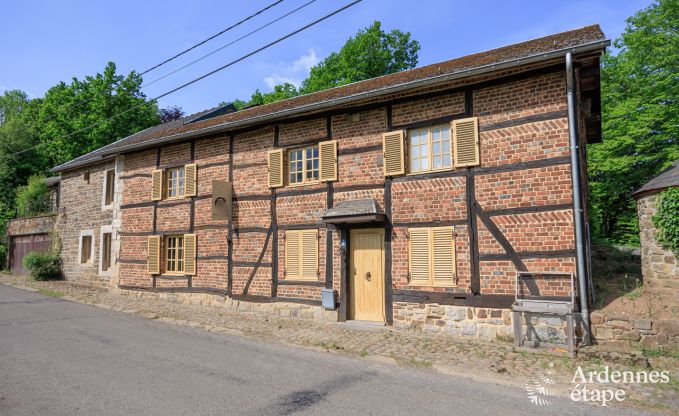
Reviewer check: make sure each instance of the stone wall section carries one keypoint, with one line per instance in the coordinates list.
(659, 266)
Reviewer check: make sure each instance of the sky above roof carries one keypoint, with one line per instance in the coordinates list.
(46, 42)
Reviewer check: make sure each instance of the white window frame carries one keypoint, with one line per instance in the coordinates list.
(430, 151)
(86, 233)
(106, 229)
(104, 206)
(180, 185)
(304, 150)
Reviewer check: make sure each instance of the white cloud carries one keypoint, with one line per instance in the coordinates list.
(293, 72)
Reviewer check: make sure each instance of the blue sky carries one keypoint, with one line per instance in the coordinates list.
(44, 42)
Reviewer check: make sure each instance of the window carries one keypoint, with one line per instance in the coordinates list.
(109, 187)
(303, 165)
(431, 256)
(105, 251)
(86, 243)
(430, 149)
(301, 254)
(174, 254)
(175, 182)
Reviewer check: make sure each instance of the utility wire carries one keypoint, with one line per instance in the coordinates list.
(235, 61)
(115, 85)
(228, 44)
(212, 37)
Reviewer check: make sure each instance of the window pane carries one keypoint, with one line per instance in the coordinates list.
(436, 148)
(414, 165)
(415, 151)
(424, 150)
(446, 146)
(446, 160)
(437, 162)
(424, 163)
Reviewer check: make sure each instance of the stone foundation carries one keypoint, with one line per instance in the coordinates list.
(288, 309)
(484, 323)
(630, 332)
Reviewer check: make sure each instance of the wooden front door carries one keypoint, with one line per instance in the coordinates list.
(366, 275)
(22, 245)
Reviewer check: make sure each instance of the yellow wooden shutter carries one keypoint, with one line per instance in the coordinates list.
(392, 143)
(153, 261)
(157, 185)
(292, 254)
(466, 142)
(419, 263)
(443, 256)
(190, 254)
(310, 254)
(328, 160)
(275, 162)
(190, 175)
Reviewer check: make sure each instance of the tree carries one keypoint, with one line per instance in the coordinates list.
(12, 102)
(62, 119)
(372, 53)
(171, 113)
(640, 106)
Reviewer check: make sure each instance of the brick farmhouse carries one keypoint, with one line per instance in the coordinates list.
(410, 199)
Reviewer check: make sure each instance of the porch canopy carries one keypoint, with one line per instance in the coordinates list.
(354, 211)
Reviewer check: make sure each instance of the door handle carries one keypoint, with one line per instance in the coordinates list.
(368, 276)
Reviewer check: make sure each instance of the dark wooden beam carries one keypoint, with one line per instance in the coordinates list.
(229, 233)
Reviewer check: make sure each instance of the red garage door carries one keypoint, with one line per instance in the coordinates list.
(22, 245)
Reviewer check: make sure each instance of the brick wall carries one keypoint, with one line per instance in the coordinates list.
(521, 121)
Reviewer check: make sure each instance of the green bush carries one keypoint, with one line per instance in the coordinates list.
(33, 198)
(666, 220)
(43, 265)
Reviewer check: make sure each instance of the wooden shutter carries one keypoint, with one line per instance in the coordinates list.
(443, 256)
(292, 254)
(392, 143)
(466, 142)
(190, 254)
(157, 185)
(275, 162)
(309, 254)
(328, 160)
(419, 264)
(190, 174)
(153, 261)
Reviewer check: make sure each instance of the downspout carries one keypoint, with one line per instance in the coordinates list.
(577, 200)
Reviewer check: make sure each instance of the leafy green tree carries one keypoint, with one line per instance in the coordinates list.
(62, 118)
(640, 105)
(371, 53)
(12, 102)
(33, 198)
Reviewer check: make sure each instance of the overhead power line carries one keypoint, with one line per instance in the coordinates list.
(228, 44)
(115, 85)
(212, 37)
(235, 61)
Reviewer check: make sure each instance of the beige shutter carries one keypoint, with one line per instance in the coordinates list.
(328, 160)
(443, 256)
(310, 254)
(153, 261)
(190, 175)
(157, 185)
(292, 254)
(466, 142)
(419, 262)
(190, 254)
(275, 162)
(392, 143)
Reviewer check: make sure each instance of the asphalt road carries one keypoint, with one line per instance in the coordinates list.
(64, 358)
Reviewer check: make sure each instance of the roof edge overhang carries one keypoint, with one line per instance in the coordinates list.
(325, 105)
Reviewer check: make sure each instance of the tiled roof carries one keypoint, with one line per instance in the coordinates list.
(666, 179)
(535, 47)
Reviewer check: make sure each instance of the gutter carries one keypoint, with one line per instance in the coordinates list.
(260, 119)
(577, 200)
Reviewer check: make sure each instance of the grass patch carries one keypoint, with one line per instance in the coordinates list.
(660, 352)
(504, 338)
(363, 353)
(51, 293)
(416, 362)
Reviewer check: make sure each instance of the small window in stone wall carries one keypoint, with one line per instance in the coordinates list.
(109, 187)
(106, 252)
(85, 249)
